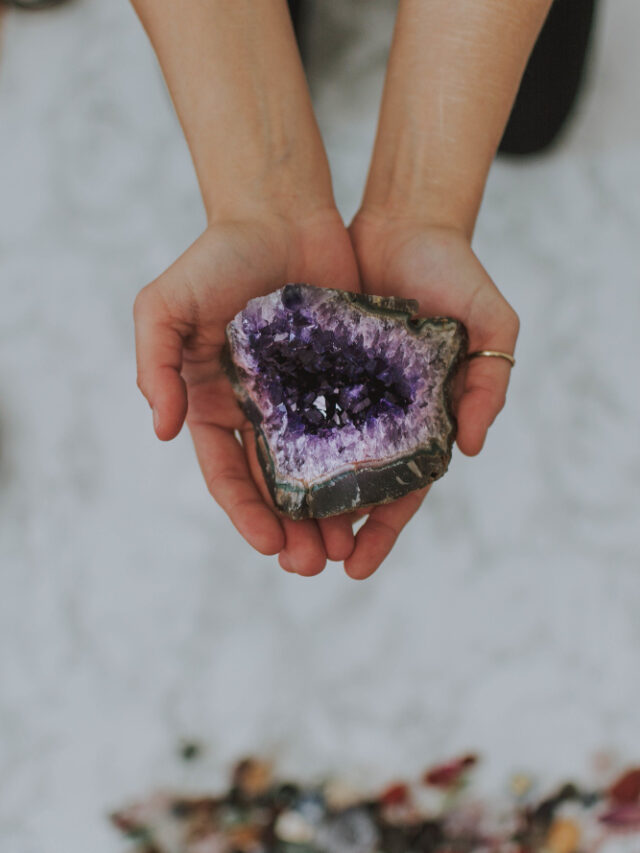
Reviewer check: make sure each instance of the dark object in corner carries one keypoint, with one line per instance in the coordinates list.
(552, 79)
(32, 5)
(297, 11)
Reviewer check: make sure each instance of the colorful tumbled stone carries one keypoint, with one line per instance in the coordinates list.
(291, 826)
(260, 814)
(396, 794)
(451, 773)
(563, 837)
(252, 777)
(626, 788)
(350, 831)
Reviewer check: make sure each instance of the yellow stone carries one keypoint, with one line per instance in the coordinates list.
(253, 777)
(520, 784)
(563, 837)
(339, 794)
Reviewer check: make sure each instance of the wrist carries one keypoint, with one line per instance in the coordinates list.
(282, 196)
(452, 76)
(403, 188)
(240, 92)
(295, 187)
(379, 237)
(380, 218)
(287, 229)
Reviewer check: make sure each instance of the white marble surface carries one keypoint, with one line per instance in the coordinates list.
(132, 615)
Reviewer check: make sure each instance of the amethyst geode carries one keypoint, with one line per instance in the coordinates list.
(349, 395)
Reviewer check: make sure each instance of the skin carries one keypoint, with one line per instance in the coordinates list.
(239, 89)
(179, 342)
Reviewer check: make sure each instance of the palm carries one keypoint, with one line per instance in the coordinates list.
(225, 268)
(438, 268)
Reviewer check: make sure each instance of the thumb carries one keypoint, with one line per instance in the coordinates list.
(159, 359)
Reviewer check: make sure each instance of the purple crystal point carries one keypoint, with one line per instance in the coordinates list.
(349, 395)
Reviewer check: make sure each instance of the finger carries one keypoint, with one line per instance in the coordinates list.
(358, 514)
(379, 533)
(337, 535)
(486, 378)
(304, 551)
(159, 360)
(224, 467)
(483, 397)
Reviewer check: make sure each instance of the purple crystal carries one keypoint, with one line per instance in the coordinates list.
(348, 394)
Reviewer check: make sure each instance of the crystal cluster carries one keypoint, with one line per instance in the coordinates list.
(349, 395)
(324, 379)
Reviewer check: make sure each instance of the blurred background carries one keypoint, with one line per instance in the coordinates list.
(133, 617)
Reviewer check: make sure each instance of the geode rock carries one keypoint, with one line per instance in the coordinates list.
(349, 395)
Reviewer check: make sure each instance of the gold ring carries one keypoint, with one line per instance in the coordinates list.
(492, 353)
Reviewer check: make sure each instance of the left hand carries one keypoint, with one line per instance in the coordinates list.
(180, 323)
(437, 267)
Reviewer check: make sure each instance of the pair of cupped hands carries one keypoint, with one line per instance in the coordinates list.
(180, 321)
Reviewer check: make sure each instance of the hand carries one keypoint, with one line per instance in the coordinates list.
(437, 267)
(180, 323)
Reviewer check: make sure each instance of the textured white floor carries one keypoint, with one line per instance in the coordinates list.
(132, 615)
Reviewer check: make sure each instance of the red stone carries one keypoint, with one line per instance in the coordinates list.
(624, 816)
(627, 788)
(449, 774)
(395, 795)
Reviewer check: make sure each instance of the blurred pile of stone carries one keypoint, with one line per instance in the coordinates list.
(438, 813)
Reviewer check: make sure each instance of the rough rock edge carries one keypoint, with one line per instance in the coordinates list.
(366, 485)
